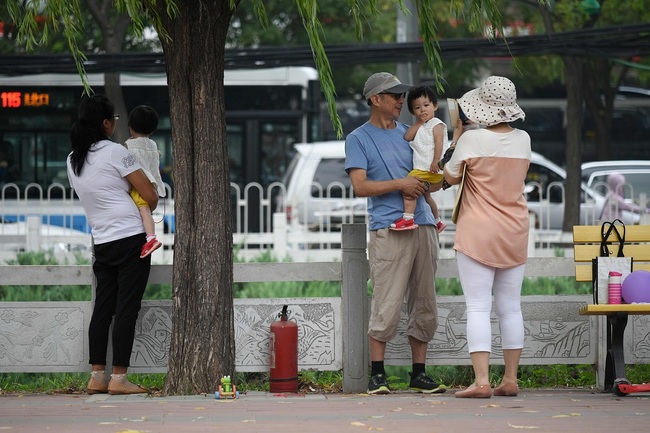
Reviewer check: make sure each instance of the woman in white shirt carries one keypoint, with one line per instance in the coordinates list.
(102, 173)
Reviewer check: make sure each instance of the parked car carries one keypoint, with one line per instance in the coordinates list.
(636, 172)
(319, 192)
(545, 192)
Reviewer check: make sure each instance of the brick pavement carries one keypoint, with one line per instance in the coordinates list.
(567, 410)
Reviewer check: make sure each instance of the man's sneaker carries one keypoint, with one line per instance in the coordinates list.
(403, 224)
(152, 245)
(441, 226)
(378, 385)
(423, 383)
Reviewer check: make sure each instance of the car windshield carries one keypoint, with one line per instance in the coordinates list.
(291, 168)
(589, 168)
(544, 182)
(331, 173)
(637, 181)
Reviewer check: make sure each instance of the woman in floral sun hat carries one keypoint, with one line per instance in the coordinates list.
(492, 228)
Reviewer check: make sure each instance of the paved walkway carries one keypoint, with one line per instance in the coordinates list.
(574, 411)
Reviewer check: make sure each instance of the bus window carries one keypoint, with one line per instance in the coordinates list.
(9, 170)
(40, 157)
(267, 111)
(236, 140)
(277, 140)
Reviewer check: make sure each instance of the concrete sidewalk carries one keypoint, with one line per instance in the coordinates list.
(566, 410)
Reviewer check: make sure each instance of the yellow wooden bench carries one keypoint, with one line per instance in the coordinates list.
(586, 246)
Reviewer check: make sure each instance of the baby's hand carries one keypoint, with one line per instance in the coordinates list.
(419, 122)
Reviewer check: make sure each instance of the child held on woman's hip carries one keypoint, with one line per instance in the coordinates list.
(143, 121)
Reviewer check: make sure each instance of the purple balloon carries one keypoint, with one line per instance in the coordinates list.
(636, 287)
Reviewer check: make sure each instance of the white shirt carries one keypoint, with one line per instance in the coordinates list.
(104, 192)
(493, 222)
(146, 153)
(423, 144)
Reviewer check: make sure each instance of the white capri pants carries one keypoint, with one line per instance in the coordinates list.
(478, 281)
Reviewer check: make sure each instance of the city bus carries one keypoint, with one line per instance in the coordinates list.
(267, 111)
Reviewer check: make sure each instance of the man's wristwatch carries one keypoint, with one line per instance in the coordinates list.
(427, 185)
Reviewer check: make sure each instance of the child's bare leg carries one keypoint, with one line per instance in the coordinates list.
(440, 226)
(432, 204)
(409, 205)
(147, 221)
(152, 243)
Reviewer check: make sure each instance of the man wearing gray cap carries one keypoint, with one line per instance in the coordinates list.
(402, 263)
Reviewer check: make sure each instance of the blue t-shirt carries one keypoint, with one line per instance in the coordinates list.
(384, 155)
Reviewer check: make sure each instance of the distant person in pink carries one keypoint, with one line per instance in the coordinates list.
(615, 202)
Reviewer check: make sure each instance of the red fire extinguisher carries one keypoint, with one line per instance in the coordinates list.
(284, 354)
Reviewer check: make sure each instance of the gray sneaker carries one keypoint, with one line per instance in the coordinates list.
(423, 383)
(378, 385)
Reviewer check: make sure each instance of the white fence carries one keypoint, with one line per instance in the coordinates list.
(263, 221)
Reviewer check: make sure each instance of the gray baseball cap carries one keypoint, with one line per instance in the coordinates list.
(384, 82)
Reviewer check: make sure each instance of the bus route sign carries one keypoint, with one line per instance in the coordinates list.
(24, 99)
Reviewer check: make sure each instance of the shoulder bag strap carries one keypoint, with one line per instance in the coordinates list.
(621, 237)
(605, 233)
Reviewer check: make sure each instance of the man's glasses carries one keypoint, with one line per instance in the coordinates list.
(395, 96)
(116, 116)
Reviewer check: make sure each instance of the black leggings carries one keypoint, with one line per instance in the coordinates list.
(121, 280)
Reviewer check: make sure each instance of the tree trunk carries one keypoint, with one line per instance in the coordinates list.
(202, 346)
(601, 82)
(114, 26)
(113, 91)
(573, 67)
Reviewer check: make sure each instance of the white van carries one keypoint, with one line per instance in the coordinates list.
(319, 191)
(545, 194)
(320, 195)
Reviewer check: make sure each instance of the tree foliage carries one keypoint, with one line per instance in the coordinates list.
(64, 13)
(40, 25)
(590, 82)
(567, 16)
(284, 26)
(92, 37)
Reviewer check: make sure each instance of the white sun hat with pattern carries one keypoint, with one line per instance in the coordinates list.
(492, 103)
